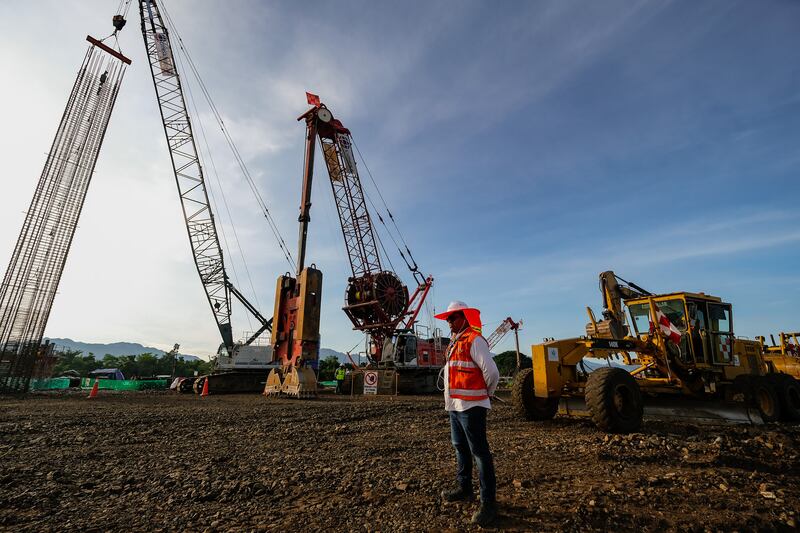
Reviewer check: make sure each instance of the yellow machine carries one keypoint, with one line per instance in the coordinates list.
(784, 356)
(783, 359)
(676, 346)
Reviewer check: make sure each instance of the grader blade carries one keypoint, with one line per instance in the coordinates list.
(695, 411)
(300, 383)
(712, 413)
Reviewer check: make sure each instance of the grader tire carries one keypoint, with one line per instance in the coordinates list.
(614, 400)
(788, 389)
(765, 398)
(525, 401)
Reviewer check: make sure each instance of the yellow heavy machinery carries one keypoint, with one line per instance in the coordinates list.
(679, 357)
(783, 356)
(783, 360)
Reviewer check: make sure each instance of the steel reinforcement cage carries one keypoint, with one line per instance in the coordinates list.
(34, 271)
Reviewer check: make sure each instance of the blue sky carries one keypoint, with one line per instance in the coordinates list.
(523, 147)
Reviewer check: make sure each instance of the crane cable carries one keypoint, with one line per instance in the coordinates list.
(234, 150)
(413, 268)
(377, 235)
(215, 175)
(122, 10)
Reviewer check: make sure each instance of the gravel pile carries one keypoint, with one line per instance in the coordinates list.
(137, 461)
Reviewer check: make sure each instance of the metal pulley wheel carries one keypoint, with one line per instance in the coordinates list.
(377, 297)
(360, 293)
(391, 294)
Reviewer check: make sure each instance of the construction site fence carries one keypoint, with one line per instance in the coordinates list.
(126, 384)
(106, 384)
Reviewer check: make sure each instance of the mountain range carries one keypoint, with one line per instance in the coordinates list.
(342, 357)
(133, 348)
(114, 348)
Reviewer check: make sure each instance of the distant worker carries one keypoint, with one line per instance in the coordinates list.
(340, 374)
(470, 378)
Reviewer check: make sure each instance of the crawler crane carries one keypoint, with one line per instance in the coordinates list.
(377, 302)
(241, 366)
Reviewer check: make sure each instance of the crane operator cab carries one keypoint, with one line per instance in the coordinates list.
(410, 349)
(400, 349)
(249, 357)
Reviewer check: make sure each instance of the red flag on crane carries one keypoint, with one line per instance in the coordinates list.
(313, 99)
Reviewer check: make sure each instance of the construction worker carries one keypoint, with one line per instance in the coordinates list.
(470, 377)
(339, 376)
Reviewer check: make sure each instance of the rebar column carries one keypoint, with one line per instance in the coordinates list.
(34, 271)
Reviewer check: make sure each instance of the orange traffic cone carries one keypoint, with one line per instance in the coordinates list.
(205, 388)
(95, 388)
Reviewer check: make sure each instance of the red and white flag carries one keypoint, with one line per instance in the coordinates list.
(313, 99)
(667, 328)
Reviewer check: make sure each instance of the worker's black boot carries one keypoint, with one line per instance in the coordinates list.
(457, 494)
(486, 514)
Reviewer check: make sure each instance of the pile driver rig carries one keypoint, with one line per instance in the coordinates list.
(377, 301)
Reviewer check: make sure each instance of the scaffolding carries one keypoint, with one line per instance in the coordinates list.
(34, 271)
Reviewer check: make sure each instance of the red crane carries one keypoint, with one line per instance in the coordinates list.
(376, 300)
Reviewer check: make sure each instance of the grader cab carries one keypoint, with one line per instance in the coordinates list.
(674, 353)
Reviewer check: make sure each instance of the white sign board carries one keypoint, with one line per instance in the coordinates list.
(370, 382)
(552, 354)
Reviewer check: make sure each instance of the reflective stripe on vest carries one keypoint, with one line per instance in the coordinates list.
(464, 378)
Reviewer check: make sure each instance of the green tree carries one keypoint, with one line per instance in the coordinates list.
(128, 365)
(142, 365)
(327, 368)
(147, 365)
(188, 368)
(507, 362)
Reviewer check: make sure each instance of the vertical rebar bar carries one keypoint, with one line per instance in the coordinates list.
(34, 271)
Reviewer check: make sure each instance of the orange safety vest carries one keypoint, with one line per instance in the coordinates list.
(465, 378)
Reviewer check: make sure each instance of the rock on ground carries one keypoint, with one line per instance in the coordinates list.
(144, 461)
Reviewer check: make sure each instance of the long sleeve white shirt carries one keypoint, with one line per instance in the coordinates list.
(482, 357)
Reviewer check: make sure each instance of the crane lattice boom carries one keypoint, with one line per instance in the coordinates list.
(189, 174)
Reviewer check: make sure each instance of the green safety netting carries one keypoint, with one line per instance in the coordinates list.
(126, 384)
(50, 384)
(108, 384)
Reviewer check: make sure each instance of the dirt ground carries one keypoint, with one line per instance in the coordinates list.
(162, 461)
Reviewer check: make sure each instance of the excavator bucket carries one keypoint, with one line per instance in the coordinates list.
(297, 382)
(274, 383)
(300, 383)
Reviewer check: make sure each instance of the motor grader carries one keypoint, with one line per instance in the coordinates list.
(678, 356)
(783, 359)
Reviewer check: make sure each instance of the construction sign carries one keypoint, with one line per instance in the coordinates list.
(370, 382)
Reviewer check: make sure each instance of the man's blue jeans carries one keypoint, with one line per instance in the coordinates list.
(468, 434)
